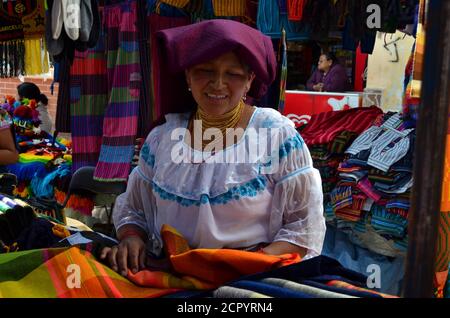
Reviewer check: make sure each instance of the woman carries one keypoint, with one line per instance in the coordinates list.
(186, 183)
(330, 76)
(8, 151)
(31, 91)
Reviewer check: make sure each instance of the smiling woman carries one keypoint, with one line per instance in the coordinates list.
(237, 204)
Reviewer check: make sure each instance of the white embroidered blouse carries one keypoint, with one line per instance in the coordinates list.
(274, 196)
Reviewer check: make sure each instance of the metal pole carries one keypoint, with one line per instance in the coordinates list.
(429, 154)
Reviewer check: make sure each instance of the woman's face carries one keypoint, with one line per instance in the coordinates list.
(324, 64)
(219, 84)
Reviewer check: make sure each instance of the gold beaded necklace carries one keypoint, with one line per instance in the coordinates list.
(228, 120)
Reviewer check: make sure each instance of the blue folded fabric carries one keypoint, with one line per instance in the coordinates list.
(269, 289)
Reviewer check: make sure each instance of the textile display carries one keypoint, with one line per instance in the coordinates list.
(124, 83)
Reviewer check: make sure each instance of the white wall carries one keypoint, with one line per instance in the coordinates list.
(385, 71)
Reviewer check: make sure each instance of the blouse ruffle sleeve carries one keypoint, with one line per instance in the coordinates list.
(137, 204)
(298, 198)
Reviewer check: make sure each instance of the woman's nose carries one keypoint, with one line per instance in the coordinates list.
(218, 81)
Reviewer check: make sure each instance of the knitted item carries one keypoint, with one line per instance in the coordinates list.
(228, 8)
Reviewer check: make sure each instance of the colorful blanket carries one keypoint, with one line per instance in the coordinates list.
(74, 272)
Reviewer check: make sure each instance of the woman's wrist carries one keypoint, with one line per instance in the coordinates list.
(130, 231)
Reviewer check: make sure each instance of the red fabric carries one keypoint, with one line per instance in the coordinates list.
(361, 59)
(295, 9)
(323, 127)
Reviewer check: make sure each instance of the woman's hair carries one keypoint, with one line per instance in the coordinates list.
(31, 91)
(331, 56)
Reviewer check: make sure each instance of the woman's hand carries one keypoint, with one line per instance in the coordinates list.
(318, 87)
(129, 254)
(280, 247)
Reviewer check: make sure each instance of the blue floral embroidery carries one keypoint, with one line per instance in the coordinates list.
(290, 144)
(249, 189)
(146, 156)
(286, 148)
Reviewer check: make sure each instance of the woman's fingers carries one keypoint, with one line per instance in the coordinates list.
(122, 259)
(133, 258)
(105, 252)
(112, 258)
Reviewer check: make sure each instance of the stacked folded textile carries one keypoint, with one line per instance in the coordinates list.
(372, 192)
(328, 135)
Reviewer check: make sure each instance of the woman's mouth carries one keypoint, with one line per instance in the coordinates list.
(215, 96)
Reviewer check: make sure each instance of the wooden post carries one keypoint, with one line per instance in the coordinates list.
(429, 153)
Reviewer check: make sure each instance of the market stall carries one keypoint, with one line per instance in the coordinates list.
(110, 97)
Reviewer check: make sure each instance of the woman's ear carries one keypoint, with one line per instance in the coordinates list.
(251, 77)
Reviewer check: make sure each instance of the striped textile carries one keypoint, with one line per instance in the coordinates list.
(123, 82)
(366, 187)
(445, 199)
(443, 244)
(295, 9)
(387, 223)
(283, 73)
(46, 273)
(88, 100)
(364, 141)
(229, 8)
(344, 285)
(389, 148)
(341, 197)
(416, 82)
(341, 142)
(313, 291)
(323, 127)
(234, 292)
(354, 211)
(206, 268)
(176, 3)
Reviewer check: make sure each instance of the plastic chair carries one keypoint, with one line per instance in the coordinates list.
(83, 181)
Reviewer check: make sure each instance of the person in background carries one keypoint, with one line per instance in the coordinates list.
(31, 91)
(330, 76)
(8, 151)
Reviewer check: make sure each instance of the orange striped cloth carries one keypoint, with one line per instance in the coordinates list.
(206, 268)
(228, 8)
(75, 273)
(65, 273)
